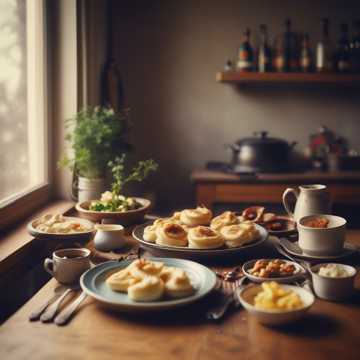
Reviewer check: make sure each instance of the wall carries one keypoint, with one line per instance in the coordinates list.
(169, 52)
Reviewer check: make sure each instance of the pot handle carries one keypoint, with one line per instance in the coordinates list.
(285, 197)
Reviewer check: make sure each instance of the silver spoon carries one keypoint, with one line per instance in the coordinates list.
(51, 311)
(35, 315)
(66, 314)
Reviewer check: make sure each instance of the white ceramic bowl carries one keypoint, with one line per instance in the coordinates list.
(333, 289)
(274, 317)
(322, 241)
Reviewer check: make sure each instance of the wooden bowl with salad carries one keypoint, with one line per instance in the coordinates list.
(119, 209)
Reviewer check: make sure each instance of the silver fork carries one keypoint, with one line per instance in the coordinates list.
(228, 289)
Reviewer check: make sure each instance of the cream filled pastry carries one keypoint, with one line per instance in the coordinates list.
(239, 234)
(196, 217)
(171, 234)
(177, 283)
(202, 237)
(150, 233)
(226, 218)
(150, 288)
(121, 280)
(142, 267)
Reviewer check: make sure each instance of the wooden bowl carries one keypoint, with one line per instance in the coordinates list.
(119, 217)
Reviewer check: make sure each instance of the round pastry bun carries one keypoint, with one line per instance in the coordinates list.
(142, 267)
(177, 282)
(171, 234)
(202, 237)
(121, 280)
(150, 288)
(196, 217)
(150, 233)
(239, 234)
(226, 218)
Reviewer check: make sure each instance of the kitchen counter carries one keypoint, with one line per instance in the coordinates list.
(218, 187)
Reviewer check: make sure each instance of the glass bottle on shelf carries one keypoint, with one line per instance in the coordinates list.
(342, 55)
(286, 50)
(264, 52)
(246, 54)
(306, 60)
(355, 49)
(323, 49)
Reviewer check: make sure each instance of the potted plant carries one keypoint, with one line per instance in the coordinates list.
(97, 137)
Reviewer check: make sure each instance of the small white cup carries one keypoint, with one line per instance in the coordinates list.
(109, 237)
(67, 265)
(322, 241)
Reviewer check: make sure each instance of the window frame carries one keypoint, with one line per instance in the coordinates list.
(22, 204)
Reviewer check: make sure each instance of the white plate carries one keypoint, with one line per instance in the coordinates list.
(299, 272)
(56, 236)
(189, 253)
(93, 282)
(274, 317)
(294, 249)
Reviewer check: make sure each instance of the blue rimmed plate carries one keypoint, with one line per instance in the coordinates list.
(93, 283)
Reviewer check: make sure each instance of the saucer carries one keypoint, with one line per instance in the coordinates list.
(294, 249)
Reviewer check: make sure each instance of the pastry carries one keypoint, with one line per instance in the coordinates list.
(202, 237)
(142, 267)
(253, 213)
(121, 280)
(177, 283)
(150, 288)
(150, 233)
(196, 217)
(226, 218)
(239, 234)
(171, 234)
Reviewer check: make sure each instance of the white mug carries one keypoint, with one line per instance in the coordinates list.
(67, 265)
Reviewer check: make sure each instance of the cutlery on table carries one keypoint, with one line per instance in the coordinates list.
(302, 263)
(66, 314)
(35, 315)
(228, 289)
(51, 311)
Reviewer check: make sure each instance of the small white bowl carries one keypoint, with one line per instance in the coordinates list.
(322, 241)
(333, 289)
(274, 317)
(109, 237)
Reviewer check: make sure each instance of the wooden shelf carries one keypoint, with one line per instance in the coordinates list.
(237, 77)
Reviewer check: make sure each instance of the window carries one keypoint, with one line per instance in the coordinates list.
(23, 135)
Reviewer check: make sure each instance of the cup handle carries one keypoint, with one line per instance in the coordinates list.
(49, 266)
(285, 197)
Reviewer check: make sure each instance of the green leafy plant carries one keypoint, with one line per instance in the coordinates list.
(114, 200)
(98, 136)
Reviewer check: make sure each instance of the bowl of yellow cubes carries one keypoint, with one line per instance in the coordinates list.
(273, 304)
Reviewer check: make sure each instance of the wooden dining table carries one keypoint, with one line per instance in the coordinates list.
(329, 330)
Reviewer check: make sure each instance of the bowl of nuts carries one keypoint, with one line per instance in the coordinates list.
(283, 271)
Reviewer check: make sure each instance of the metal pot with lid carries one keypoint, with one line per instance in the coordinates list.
(261, 153)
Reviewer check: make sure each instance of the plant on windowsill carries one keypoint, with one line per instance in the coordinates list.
(96, 135)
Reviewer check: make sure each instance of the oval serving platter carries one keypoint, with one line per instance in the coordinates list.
(93, 283)
(299, 272)
(189, 253)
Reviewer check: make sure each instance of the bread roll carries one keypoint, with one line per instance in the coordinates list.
(202, 237)
(171, 234)
(196, 217)
(240, 234)
(226, 218)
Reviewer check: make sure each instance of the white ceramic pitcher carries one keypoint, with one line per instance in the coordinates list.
(310, 200)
